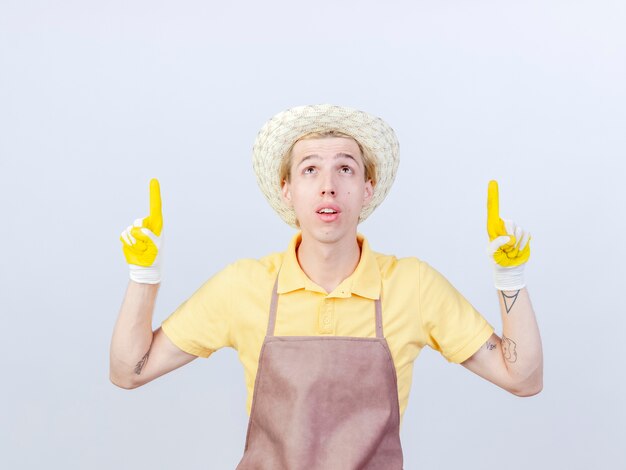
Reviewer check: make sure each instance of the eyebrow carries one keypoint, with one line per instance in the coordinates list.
(338, 155)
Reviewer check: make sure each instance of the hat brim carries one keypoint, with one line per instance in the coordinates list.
(279, 133)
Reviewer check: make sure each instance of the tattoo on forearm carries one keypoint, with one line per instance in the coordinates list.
(142, 363)
(509, 300)
(509, 349)
(490, 346)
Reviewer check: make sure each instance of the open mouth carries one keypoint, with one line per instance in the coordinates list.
(326, 211)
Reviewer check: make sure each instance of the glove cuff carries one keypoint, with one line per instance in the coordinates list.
(144, 275)
(511, 278)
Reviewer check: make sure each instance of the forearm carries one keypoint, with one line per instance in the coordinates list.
(521, 342)
(132, 335)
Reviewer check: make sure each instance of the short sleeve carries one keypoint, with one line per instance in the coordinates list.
(201, 325)
(452, 325)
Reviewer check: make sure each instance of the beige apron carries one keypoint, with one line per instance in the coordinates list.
(324, 402)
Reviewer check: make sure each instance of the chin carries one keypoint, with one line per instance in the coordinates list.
(330, 234)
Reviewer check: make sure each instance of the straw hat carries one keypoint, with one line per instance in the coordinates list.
(280, 132)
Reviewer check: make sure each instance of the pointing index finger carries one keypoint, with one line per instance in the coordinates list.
(155, 219)
(495, 225)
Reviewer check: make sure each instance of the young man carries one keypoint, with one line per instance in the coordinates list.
(327, 331)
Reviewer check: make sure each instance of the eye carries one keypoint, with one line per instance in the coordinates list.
(346, 169)
(308, 170)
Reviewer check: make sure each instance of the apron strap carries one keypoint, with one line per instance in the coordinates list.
(272, 320)
(379, 319)
(274, 304)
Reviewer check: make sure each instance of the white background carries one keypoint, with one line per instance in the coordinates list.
(98, 97)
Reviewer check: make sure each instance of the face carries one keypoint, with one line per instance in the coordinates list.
(327, 187)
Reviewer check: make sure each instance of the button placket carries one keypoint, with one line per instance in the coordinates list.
(326, 316)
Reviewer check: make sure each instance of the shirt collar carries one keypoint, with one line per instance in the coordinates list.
(364, 281)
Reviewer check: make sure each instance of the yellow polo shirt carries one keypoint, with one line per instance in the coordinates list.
(419, 306)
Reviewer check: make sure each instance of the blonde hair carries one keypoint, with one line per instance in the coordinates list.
(369, 162)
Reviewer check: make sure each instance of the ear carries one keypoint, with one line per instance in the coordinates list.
(286, 192)
(368, 193)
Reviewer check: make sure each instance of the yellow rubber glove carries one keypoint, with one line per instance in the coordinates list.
(509, 245)
(141, 242)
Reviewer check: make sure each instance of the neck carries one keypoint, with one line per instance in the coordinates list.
(328, 264)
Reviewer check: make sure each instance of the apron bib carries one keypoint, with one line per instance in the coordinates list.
(324, 402)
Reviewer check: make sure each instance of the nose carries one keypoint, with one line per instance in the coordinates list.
(328, 186)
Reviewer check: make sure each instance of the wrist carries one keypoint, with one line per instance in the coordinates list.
(509, 278)
(144, 275)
